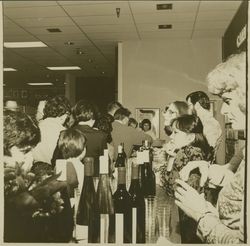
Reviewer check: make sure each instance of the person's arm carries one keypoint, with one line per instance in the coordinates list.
(211, 230)
(236, 160)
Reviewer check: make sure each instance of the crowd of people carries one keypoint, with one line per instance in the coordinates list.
(60, 131)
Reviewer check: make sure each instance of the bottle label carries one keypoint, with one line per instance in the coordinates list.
(81, 233)
(146, 156)
(119, 230)
(134, 225)
(104, 232)
(104, 165)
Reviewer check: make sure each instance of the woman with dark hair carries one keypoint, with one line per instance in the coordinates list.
(172, 111)
(187, 144)
(146, 126)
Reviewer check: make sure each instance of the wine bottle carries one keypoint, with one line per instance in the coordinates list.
(138, 204)
(104, 198)
(123, 210)
(148, 176)
(121, 158)
(147, 146)
(87, 208)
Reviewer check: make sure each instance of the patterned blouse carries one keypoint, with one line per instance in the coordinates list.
(183, 156)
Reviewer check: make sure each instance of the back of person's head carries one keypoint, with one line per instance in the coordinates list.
(113, 106)
(132, 122)
(20, 131)
(84, 111)
(145, 121)
(71, 143)
(192, 124)
(103, 123)
(121, 114)
(181, 106)
(56, 107)
(200, 97)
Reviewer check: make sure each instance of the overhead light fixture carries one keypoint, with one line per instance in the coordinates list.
(79, 51)
(39, 83)
(164, 6)
(9, 69)
(65, 68)
(36, 44)
(168, 26)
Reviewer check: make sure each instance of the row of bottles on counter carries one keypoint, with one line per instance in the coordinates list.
(117, 218)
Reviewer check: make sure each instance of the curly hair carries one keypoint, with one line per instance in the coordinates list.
(192, 124)
(200, 97)
(84, 111)
(71, 143)
(230, 75)
(20, 131)
(56, 107)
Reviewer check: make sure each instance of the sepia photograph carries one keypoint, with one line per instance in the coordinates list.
(124, 122)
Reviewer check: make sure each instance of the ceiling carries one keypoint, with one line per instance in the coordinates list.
(95, 29)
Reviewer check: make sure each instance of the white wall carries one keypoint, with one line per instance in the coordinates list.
(155, 73)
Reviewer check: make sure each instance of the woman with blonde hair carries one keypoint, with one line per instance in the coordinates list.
(226, 222)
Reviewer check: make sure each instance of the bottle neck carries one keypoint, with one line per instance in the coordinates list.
(121, 176)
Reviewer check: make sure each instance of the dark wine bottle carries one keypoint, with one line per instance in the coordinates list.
(148, 176)
(87, 208)
(105, 201)
(123, 210)
(121, 157)
(138, 204)
(147, 146)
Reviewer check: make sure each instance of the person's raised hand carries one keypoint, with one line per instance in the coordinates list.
(189, 200)
(203, 168)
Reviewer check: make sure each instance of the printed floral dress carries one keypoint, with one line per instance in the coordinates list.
(183, 156)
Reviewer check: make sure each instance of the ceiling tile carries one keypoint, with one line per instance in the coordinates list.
(164, 17)
(62, 37)
(109, 28)
(113, 36)
(104, 20)
(83, 2)
(164, 35)
(34, 12)
(175, 26)
(97, 9)
(215, 33)
(43, 22)
(211, 24)
(216, 15)
(219, 5)
(18, 38)
(150, 6)
(64, 30)
(21, 4)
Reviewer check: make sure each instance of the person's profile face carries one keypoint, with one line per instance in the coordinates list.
(231, 109)
(179, 138)
(170, 114)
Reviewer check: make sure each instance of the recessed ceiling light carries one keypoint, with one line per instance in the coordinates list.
(24, 44)
(39, 83)
(168, 26)
(164, 6)
(9, 69)
(65, 68)
(69, 43)
(103, 72)
(79, 52)
(90, 60)
(53, 30)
